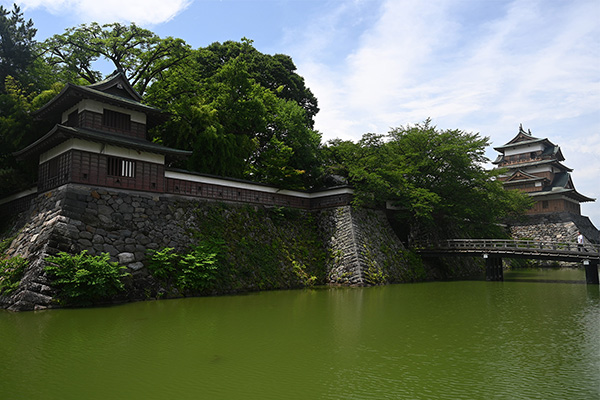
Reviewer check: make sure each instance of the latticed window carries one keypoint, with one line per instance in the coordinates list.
(121, 167)
(116, 120)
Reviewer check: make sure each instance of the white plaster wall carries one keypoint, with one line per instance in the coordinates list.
(251, 186)
(523, 149)
(93, 147)
(97, 107)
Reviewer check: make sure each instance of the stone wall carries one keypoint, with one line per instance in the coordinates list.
(558, 227)
(365, 250)
(351, 246)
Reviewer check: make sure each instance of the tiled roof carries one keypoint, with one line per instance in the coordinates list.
(73, 94)
(536, 163)
(60, 133)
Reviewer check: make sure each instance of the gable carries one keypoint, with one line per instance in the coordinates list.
(521, 175)
(117, 85)
(522, 136)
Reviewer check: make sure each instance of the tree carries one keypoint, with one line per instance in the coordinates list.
(235, 126)
(435, 176)
(137, 52)
(16, 44)
(274, 72)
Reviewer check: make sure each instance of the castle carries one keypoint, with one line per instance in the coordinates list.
(535, 166)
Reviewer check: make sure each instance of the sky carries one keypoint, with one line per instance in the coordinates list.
(482, 66)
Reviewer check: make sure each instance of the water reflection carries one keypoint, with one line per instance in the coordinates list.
(517, 339)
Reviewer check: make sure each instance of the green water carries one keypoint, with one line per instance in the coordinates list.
(534, 336)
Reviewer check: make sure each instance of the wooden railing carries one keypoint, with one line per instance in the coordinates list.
(510, 246)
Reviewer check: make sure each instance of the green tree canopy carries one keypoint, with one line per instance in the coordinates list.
(236, 126)
(16, 44)
(137, 52)
(274, 72)
(436, 176)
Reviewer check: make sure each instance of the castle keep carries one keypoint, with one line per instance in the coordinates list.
(535, 166)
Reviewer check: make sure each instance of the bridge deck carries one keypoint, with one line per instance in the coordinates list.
(508, 248)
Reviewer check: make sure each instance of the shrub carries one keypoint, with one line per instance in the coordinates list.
(163, 263)
(194, 270)
(83, 279)
(198, 268)
(11, 272)
(5, 243)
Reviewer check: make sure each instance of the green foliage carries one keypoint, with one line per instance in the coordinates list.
(162, 263)
(262, 248)
(16, 43)
(436, 176)
(277, 73)
(5, 243)
(17, 129)
(305, 278)
(11, 272)
(375, 275)
(137, 52)
(232, 115)
(415, 263)
(192, 271)
(198, 269)
(82, 279)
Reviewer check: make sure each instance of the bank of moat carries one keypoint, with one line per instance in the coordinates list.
(263, 247)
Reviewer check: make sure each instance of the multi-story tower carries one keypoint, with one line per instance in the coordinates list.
(99, 138)
(535, 166)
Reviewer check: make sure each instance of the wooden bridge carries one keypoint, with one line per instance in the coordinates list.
(494, 250)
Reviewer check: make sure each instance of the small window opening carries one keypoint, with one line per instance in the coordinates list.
(121, 167)
(116, 120)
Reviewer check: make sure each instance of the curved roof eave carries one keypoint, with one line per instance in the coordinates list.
(540, 162)
(574, 194)
(61, 133)
(510, 145)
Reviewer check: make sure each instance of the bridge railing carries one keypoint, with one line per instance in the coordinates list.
(510, 244)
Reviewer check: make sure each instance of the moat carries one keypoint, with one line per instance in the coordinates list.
(534, 336)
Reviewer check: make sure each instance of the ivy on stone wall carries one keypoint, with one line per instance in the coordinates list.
(11, 272)
(262, 248)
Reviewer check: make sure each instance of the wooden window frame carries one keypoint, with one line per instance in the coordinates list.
(121, 167)
(116, 120)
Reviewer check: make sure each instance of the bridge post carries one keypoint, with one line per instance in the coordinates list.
(591, 272)
(493, 268)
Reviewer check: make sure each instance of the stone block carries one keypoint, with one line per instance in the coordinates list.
(104, 219)
(98, 239)
(105, 210)
(136, 266)
(110, 249)
(126, 258)
(85, 243)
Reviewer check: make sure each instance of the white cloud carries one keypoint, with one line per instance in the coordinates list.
(142, 12)
(524, 64)
(530, 62)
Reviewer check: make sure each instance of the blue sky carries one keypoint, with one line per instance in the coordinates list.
(478, 65)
